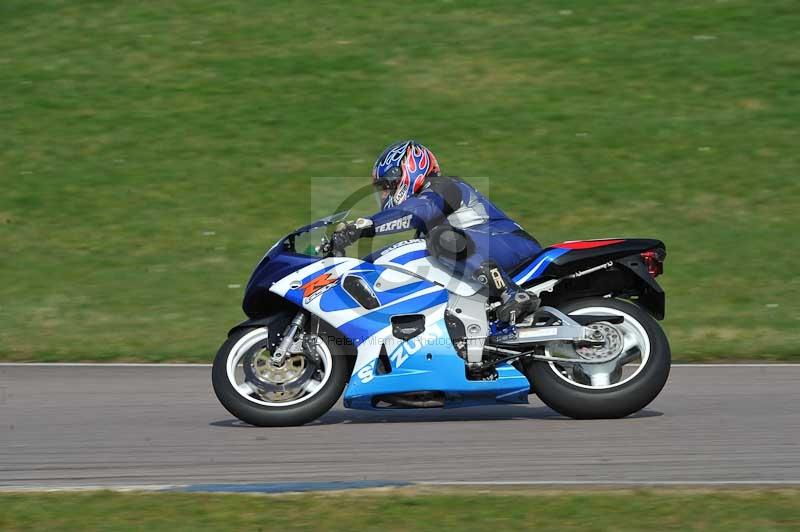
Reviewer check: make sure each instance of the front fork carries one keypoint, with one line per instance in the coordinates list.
(281, 352)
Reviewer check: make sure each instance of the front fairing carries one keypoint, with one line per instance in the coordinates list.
(272, 268)
(291, 253)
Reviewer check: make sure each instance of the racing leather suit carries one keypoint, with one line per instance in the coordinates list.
(453, 203)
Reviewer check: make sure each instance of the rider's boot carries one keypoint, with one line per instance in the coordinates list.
(515, 303)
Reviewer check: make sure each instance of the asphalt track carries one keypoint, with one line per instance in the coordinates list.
(133, 426)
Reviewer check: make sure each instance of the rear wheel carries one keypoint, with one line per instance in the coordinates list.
(613, 389)
(304, 387)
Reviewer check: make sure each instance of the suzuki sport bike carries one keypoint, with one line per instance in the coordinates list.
(397, 330)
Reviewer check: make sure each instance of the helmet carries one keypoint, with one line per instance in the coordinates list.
(400, 171)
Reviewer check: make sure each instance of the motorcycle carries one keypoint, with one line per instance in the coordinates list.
(396, 329)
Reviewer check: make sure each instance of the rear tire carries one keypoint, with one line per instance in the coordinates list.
(578, 401)
(277, 416)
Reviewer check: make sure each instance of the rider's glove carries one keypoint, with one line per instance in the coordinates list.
(348, 232)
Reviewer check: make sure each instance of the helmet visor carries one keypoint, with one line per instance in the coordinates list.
(384, 192)
(386, 185)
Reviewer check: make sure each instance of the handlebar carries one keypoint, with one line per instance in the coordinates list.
(329, 249)
(326, 248)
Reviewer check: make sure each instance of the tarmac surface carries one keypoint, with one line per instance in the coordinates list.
(114, 426)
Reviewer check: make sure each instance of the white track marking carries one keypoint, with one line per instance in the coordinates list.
(442, 483)
(761, 365)
(143, 487)
(611, 483)
(102, 365)
(188, 365)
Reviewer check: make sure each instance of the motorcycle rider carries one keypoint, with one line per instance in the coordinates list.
(464, 230)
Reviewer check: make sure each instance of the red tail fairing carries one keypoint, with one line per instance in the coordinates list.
(587, 244)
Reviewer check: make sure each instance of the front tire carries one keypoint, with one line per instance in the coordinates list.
(574, 392)
(267, 411)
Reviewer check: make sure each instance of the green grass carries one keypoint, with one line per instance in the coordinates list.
(465, 510)
(129, 131)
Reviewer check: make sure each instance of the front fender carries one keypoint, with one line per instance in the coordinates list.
(275, 324)
(250, 324)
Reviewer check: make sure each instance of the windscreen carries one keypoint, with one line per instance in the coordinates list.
(309, 239)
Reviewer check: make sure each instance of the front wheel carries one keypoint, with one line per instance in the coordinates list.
(613, 389)
(303, 388)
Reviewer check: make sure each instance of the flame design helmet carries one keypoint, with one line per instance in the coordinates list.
(400, 172)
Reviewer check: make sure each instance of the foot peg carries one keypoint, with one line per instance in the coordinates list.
(516, 307)
(516, 303)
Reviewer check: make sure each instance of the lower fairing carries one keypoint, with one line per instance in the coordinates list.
(426, 363)
(429, 363)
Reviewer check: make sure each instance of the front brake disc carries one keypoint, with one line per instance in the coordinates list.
(284, 380)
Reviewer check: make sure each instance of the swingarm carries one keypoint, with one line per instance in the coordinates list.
(556, 327)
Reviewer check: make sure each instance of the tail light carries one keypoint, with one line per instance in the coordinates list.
(654, 260)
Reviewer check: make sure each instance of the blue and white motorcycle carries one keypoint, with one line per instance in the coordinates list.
(396, 330)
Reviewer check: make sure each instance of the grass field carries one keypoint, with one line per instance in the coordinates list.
(764, 510)
(151, 151)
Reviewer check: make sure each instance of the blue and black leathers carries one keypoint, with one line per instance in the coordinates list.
(449, 202)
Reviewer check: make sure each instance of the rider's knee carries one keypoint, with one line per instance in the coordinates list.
(450, 243)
